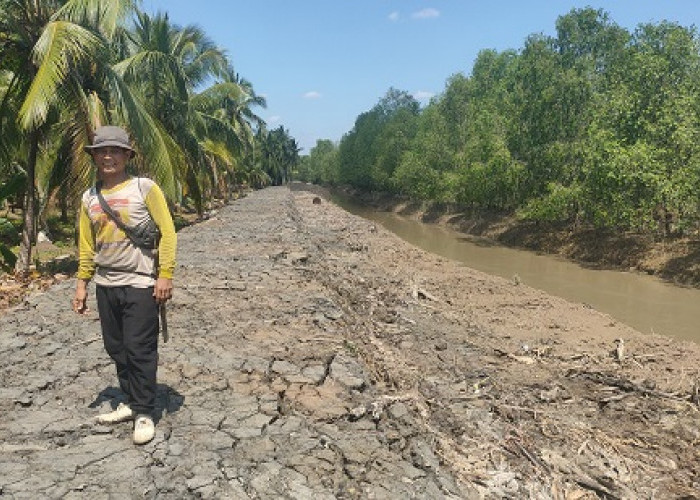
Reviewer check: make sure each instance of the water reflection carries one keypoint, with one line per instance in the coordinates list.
(643, 302)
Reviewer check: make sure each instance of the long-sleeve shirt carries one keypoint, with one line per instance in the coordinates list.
(105, 251)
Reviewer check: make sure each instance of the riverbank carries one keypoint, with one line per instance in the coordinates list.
(676, 260)
(316, 355)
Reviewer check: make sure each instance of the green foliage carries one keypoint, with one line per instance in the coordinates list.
(7, 230)
(320, 166)
(395, 138)
(13, 186)
(623, 187)
(370, 153)
(279, 157)
(595, 125)
(68, 67)
(492, 185)
(559, 204)
(61, 230)
(7, 258)
(417, 179)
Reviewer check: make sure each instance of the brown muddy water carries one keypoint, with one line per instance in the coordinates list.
(643, 302)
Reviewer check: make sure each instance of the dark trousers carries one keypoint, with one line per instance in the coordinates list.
(129, 319)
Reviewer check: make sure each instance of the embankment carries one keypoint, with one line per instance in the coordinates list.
(674, 259)
(315, 355)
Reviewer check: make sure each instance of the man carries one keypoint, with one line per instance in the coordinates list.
(130, 286)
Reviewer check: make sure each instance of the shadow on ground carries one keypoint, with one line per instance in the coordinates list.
(168, 400)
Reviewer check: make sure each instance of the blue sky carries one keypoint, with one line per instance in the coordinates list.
(320, 63)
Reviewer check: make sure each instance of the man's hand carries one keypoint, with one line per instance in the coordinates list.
(163, 291)
(80, 299)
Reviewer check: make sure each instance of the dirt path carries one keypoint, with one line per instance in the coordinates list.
(315, 355)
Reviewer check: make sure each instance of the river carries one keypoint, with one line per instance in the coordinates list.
(643, 302)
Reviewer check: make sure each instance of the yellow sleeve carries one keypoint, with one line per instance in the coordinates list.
(158, 207)
(86, 245)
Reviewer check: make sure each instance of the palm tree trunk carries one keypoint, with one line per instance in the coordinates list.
(24, 258)
(63, 201)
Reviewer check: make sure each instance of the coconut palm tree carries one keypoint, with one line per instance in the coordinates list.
(167, 64)
(67, 87)
(21, 25)
(68, 66)
(227, 104)
(239, 110)
(280, 155)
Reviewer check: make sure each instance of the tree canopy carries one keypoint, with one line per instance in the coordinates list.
(69, 66)
(596, 125)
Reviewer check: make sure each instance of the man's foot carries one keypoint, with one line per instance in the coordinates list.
(121, 414)
(144, 429)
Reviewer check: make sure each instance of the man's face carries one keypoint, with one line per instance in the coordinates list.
(111, 160)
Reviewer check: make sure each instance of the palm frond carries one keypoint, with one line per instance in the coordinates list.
(80, 117)
(162, 65)
(61, 44)
(219, 151)
(8, 123)
(161, 156)
(199, 56)
(223, 131)
(219, 95)
(106, 16)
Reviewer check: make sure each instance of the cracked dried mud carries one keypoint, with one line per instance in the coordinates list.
(315, 355)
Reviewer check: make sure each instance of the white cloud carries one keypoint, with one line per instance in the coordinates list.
(274, 119)
(423, 95)
(428, 13)
(312, 94)
(394, 16)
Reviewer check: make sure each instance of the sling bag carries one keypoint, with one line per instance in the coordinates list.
(144, 235)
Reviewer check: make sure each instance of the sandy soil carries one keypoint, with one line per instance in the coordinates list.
(316, 355)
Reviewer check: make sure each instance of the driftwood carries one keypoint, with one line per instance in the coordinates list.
(623, 384)
(419, 293)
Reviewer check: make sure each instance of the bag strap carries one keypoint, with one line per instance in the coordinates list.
(108, 210)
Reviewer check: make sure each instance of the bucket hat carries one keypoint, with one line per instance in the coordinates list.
(110, 135)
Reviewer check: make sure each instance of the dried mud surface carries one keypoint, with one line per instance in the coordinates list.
(315, 355)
